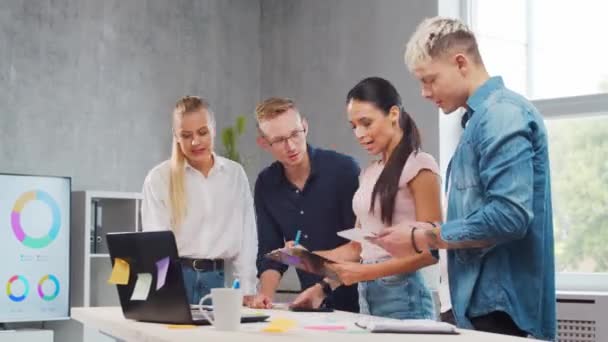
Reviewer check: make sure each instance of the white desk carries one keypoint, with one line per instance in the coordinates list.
(111, 321)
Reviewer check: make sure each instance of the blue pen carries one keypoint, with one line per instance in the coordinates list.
(236, 284)
(297, 239)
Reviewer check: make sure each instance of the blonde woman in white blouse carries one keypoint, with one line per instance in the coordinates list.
(206, 200)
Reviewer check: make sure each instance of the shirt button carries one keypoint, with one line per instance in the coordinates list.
(301, 212)
(297, 191)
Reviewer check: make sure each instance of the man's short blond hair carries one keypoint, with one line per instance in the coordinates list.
(273, 107)
(439, 35)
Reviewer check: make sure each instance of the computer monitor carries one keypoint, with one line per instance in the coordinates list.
(34, 248)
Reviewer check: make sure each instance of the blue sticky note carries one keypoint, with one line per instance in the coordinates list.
(162, 266)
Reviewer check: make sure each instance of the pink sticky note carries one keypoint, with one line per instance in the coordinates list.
(162, 266)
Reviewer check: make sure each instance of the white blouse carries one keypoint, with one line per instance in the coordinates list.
(220, 217)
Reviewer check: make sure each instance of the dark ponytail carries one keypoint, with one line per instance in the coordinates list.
(383, 95)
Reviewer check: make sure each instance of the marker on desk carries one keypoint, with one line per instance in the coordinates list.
(297, 239)
(236, 284)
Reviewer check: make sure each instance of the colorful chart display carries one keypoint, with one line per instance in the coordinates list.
(24, 199)
(34, 248)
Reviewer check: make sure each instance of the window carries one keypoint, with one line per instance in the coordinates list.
(544, 48)
(578, 151)
(553, 53)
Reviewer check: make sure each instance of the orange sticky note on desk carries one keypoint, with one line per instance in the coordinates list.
(120, 272)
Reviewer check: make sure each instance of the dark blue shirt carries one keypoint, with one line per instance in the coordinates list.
(320, 210)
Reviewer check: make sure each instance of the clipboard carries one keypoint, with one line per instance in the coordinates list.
(304, 260)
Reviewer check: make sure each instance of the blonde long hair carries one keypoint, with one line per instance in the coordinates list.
(177, 191)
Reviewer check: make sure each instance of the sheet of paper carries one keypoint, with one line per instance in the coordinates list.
(162, 266)
(356, 234)
(120, 272)
(142, 286)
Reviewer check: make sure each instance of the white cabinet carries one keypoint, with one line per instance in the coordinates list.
(26, 335)
(93, 215)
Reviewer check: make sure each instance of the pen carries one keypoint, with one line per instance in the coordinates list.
(297, 239)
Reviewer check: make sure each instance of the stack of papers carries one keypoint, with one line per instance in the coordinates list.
(412, 326)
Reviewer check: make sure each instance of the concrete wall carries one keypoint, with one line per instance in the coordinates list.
(88, 86)
(316, 50)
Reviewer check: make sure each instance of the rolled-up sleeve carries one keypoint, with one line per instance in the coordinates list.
(504, 145)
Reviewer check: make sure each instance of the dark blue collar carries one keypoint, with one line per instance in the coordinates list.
(314, 169)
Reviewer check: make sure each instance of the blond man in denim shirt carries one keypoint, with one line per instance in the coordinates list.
(499, 228)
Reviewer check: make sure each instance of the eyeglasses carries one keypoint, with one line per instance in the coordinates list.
(281, 141)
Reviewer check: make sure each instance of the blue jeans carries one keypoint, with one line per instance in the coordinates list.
(400, 296)
(198, 284)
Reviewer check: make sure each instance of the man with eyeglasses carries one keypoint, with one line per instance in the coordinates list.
(306, 189)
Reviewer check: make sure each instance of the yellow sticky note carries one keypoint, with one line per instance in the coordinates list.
(181, 326)
(274, 329)
(120, 272)
(279, 325)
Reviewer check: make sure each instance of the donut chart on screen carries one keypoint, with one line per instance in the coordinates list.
(41, 293)
(9, 291)
(22, 201)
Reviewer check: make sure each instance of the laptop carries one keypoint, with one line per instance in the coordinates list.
(169, 304)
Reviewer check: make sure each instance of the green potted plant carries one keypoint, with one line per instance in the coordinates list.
(230, 138)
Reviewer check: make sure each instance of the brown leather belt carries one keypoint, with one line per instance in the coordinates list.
(203, 265)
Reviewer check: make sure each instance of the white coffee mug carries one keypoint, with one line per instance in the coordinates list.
(227, 305)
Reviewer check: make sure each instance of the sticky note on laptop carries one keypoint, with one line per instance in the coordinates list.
(142, 286)
(120, 272)
(356, 234)
(162, 266)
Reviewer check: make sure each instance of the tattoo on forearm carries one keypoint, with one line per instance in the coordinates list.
(434, 241)
(432, 238)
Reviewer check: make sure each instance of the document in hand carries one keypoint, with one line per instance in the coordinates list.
(304, 260)
(408, 326)
(356, 234)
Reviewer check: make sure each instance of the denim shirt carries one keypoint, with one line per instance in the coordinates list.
(500, 192)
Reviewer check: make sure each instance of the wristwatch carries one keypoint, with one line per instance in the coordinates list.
(326, 287)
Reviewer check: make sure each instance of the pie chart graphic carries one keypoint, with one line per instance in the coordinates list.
(48, 297)
(9, 290)
(16, 216)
